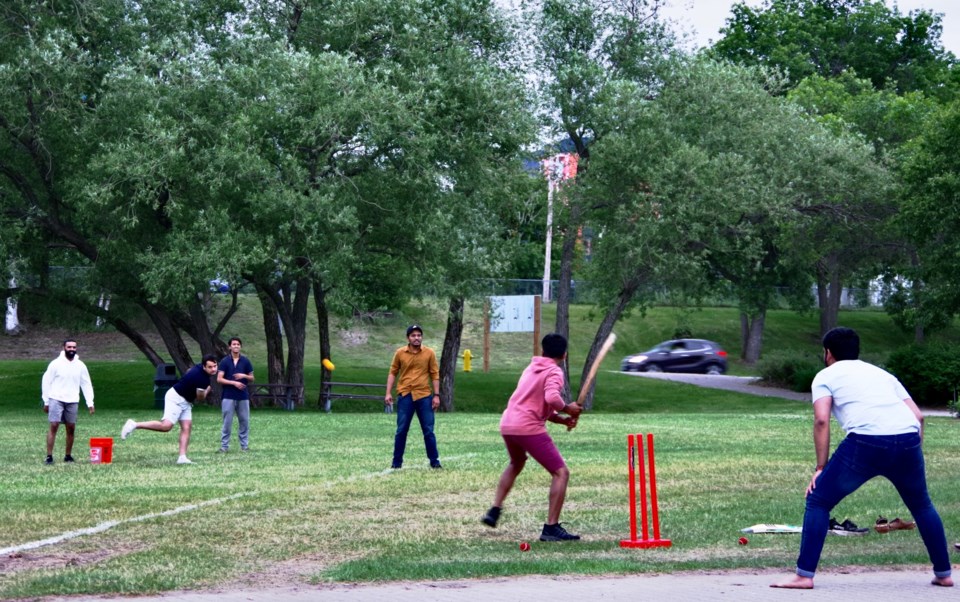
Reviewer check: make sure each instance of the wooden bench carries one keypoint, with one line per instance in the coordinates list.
(276, 394)
(339, 390)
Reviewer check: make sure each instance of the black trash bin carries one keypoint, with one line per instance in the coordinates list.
(165, 378)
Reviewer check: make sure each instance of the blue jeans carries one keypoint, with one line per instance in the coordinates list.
(407, 406)
(858, 459)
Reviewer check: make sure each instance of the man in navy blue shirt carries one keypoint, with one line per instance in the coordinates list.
(235, 374)
(178, 405)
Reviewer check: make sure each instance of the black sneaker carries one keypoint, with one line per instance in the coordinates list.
(68, 458)
(847, 527)
(436, 466)
(557, 533)
(491, 517)
(48, 461)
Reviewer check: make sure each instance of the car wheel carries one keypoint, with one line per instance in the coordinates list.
(653, 368)
(714, 369)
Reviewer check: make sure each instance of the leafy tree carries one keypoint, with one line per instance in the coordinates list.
(830, 37)
(865, 237)
(58, 67)
(863, 68)
(929, 217)
(583, 52)
(282, 144)
(716, 179)
(442, 171)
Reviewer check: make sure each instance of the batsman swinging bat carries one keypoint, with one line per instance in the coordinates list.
(585, 385)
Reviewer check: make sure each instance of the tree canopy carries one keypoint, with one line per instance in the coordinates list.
(830, 37)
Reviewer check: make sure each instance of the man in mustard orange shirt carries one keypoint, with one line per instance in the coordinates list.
(417, 375)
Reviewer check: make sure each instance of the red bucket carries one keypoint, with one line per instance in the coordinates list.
(101, 450)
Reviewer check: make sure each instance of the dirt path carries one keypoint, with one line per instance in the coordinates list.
(836, 585)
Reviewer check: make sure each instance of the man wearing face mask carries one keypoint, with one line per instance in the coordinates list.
(65, 377)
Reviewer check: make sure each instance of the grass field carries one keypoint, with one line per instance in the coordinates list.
(314, 500)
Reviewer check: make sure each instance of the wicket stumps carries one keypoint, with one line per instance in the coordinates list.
(635, 466)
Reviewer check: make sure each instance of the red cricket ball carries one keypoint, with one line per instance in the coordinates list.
(743, 541)
(524, 546)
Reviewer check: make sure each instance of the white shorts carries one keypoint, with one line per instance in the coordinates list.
(175, 407)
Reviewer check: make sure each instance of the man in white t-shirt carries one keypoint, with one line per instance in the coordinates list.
(884, 438)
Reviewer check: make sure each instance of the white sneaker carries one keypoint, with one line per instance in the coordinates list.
(184, 460)
(128, 427)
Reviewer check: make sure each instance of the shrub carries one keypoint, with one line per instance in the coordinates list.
(793, 371)
(930, 374)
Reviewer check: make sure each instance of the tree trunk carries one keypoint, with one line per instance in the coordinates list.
(451, 350)
(606, 327)
(323, 332)
(290, 304)
(295, 325)
(567, 257)
(273, 337)
(204, 336)
(919, 298)
(829, 293)
(162, 321)
(751, 330)
(138, 340)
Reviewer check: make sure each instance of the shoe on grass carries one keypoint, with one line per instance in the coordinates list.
(491, 517)
(897, 524)
(68, 458)
(48, 461)
(184, 460)
(557, 533)
(128, 427)
(847, 527)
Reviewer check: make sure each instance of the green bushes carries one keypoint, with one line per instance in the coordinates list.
(930, 374)
(790, 370)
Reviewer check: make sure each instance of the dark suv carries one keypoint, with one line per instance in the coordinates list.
(679, 355)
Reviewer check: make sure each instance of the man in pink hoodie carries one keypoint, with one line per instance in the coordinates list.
(538, 399)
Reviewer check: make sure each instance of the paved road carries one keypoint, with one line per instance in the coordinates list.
(744, 384)
(855, 586)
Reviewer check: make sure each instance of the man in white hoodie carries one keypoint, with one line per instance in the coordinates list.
(65, 377)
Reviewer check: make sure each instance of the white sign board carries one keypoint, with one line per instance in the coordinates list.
(512, 314)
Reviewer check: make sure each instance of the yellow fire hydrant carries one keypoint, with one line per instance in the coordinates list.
(467, 356)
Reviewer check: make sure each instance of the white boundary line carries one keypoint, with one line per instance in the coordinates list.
(113, 523)
(31, 545)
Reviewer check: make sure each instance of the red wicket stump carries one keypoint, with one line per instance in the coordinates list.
(638, 480)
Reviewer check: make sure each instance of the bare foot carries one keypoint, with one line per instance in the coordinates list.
(795, 582)
(942, 581)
